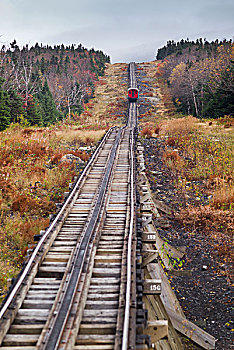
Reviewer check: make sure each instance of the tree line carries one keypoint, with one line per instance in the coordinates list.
(200, 76)
(42, 84)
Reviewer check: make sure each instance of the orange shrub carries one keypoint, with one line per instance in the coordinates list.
(147, 132)
(89, 141)
(157, 130)
(171, 141)
(171, 156)
(56, 158)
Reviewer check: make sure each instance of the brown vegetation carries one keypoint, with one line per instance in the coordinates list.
(32, 178)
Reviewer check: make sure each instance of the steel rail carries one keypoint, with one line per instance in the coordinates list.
(129, 260)
(52, 226)
(132, 115)
(56, 331)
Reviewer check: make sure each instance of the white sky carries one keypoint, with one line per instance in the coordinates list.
(126, 30)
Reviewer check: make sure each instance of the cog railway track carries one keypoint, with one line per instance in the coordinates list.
(82, 287)
(77, 290)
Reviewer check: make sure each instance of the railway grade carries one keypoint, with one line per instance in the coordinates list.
(78, 290)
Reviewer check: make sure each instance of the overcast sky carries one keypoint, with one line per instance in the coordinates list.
(126, 30)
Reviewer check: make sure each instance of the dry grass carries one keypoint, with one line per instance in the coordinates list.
(223, 197)
(173, 160)
(110, 103)
(32, 178)
(204, 157)
(179, 126)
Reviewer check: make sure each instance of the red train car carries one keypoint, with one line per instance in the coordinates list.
(133, 94)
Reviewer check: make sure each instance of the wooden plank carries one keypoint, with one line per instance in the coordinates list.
(100, 313)
(97, 328)
(52, 269)
(156, 310)
(164, 248)
(37, 304)
(95, 339)
(167, 295)
(105, 281)
(150, 256)
(108, 259)
(18, 348)
(115, 238)
(35, 295)
(157, 330)
(38, 287)
(103, 289)
(101, 272)
(31, 312)
(57, 258)
(20, 339)
(30, 319)
(102, 296)
(26, 329)
(162, 206)
(91, 347)
(109, 251)
(51, 280)
(102, 305)
(190, 330)
(108, 265)
(99, 319)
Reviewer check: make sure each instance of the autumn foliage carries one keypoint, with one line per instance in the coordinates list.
(200, 76)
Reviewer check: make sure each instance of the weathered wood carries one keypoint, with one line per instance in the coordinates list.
(156, 310)
(149, 237)
(164, 248)
(100, 313)
(18, 348)
(102, 305)
(167, 295)
(146, 219)
(112, 272)
(37, 304)
(162, 206)
(18, 339)
(108, 259)
(92, 347)
(99, 319)
(57, 258)
(103, 289)
(95, 339)
(191, 331)
(157, 330)
(152, 286)
(26, 329)
(101, 296)
(97, 328)
(30, 319)
(35, 295)
(149, 257)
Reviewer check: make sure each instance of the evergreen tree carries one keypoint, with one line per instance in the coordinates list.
(16, 105)
(48, 108)
(33, 111)
(5, 116)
